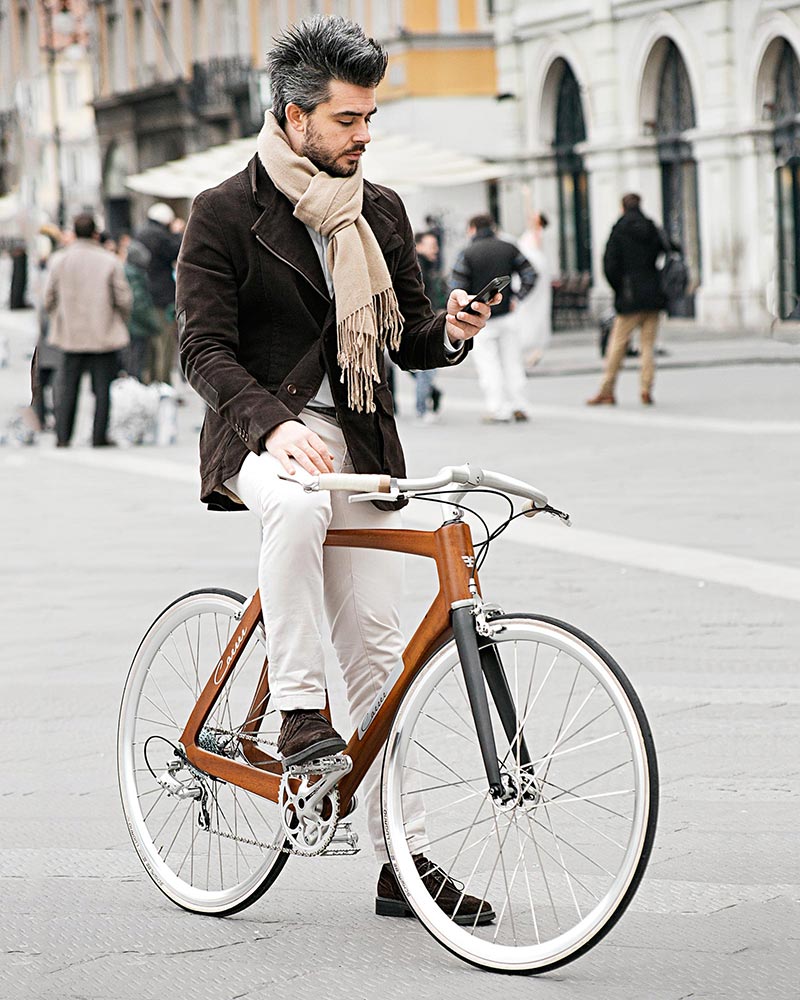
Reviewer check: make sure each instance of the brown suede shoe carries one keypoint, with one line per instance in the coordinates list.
(602, 399)
(647, 399)
(306, 735)
(462, 909)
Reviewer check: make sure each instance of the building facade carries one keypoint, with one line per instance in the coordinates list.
(181, 76)
(694, 104)
(48, 145)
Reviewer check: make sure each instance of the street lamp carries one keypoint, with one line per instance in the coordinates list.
(58, 20)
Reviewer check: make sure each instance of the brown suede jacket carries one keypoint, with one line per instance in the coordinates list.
(257, 328)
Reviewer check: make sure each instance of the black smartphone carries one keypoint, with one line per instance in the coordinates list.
(488, 292)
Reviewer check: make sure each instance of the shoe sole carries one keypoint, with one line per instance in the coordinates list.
(321, 749)
(398, 908)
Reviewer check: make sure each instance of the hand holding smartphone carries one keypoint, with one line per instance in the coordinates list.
(488, 292)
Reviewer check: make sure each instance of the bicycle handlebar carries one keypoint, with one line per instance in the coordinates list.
(467, 476)
(352, 482)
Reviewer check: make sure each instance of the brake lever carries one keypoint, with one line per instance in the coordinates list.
(362, 497)
(531, 510)
(560, 514)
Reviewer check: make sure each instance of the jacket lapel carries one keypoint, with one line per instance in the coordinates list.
(383, 225)
(281, 233)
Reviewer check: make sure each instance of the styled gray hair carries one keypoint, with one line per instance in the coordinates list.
(308, 55)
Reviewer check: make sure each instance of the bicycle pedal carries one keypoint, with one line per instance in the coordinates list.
(338, 763)
(343, 842)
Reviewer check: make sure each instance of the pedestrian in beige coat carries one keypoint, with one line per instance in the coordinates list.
(89, 301)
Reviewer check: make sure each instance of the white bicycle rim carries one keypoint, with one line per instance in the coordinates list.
(574, 853)
(198, 869)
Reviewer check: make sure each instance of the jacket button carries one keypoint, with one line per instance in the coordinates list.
(291, 389)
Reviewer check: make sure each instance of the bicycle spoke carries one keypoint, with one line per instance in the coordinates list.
(528, 884)
(557, 837)
(181, 674)
(444, 725)
(541, 848)
(447, 766)
(454, 833)
(510, 887)
(166, 715)
(172, 842)
(467, 725)
(433, 788)
(485, 893)
(581, 746)
(192, 652)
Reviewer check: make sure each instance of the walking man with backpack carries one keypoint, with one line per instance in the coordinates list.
(633, 248)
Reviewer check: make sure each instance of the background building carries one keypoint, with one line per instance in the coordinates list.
(49, 165)
(694, 105)
(182, 76)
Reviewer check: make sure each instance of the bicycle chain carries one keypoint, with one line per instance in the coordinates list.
(329, 851)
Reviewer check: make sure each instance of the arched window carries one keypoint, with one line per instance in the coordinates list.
(674, 117)
(573, 186)
(786, 115)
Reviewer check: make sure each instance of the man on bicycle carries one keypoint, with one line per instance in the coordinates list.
(293, 277)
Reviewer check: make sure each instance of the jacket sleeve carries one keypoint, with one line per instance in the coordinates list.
(422, 344)
(462, 274)
(121, 292)
(611, 260)
(208, 332)
(527, 274)
(50, 300)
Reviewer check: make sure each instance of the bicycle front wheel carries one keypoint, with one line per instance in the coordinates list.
(210, 846)
(561, 860)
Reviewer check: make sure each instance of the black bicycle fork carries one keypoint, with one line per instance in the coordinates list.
(479, 663)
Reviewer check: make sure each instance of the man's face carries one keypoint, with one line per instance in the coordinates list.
(335, 134)
(428, 247)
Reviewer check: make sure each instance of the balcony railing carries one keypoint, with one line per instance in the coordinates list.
(217, 82)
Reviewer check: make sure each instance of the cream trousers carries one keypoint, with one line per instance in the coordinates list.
(358, 588)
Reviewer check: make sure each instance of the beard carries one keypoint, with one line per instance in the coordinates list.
(323, 159)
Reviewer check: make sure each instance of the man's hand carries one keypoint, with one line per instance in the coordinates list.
(462, 326)
(293, 440)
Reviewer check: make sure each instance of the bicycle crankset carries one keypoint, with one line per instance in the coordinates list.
(309, 802)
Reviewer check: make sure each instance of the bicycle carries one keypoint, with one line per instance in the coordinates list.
(518, 735)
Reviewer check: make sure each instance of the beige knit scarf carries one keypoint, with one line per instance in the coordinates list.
(367, 313)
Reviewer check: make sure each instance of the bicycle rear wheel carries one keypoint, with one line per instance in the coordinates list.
(215, 854)
(562, 860)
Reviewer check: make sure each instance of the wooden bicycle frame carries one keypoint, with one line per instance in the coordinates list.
(450, 546)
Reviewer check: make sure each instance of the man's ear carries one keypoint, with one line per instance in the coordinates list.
(296, 118)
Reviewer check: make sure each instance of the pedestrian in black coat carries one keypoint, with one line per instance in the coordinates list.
(632, 251)
(161, 234)
(630, 259)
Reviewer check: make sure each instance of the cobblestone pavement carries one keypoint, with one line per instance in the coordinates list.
(684, 561)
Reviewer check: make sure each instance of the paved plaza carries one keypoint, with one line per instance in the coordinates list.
(684, 561)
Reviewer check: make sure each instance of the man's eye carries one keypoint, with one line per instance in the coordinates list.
(343, 122)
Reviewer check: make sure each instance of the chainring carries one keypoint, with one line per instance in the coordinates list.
(309, 829)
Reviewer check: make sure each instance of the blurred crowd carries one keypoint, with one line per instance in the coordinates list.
(106, 307)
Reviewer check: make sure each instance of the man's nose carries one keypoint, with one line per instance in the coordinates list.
(361, 135)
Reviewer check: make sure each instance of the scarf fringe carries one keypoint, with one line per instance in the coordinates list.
(360, 336)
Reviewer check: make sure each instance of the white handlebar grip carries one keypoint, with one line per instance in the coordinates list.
(354, 482)
(530, 509)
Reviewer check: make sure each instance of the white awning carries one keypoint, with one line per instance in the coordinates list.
(396, 161)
